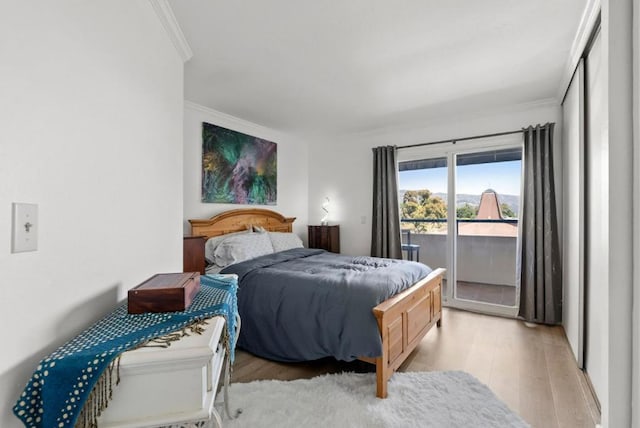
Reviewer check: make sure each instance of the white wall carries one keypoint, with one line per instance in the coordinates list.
(635, 364)
(293, 163)
(91, 131)
(342, 168)
(618, 128)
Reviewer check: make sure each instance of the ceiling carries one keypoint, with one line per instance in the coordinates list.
(340, 67)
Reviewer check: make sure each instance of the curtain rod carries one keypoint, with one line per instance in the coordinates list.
(455, 140)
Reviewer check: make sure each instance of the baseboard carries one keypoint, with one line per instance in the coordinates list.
(591, 396)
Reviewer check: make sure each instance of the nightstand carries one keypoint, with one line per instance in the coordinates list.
(325, 237)
(193, 254)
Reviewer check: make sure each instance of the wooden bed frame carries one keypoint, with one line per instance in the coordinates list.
(403, 320)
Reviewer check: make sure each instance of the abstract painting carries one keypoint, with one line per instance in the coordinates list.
(238, 168)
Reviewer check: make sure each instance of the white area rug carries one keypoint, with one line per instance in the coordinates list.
(416, 399)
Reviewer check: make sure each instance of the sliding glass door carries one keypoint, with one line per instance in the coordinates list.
(423, 211)
(487, 205)
(460, 205)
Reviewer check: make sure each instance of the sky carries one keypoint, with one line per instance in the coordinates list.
(503, 177)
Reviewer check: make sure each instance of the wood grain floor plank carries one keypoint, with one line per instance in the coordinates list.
(565, 381)
(536, 401)
(505, 371)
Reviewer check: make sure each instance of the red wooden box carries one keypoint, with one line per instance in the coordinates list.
(164, 292)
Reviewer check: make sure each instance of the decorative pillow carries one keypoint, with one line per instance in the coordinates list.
(282, 241)
(212, 243)
(239, 248)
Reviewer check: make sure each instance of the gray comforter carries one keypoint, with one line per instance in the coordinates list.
(304, 304)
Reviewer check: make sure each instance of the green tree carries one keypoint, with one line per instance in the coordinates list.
(467, 211)
(506, 211)
(421, 204)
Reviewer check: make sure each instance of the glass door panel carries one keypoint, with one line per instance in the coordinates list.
(423, 211)
(487, 203)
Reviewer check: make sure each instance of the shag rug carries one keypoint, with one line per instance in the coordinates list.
(416, 399)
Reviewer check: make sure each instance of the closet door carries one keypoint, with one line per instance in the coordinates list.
(597, 219)
(573, 214)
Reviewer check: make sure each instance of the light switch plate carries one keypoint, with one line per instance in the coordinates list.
(25, 228)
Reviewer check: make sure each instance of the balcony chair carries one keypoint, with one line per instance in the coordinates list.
(411, 248)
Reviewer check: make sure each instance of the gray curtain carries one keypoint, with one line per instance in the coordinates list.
(385, 233)
(540, 270)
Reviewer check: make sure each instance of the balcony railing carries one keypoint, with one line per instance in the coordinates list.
(483, 255)
(459, 220)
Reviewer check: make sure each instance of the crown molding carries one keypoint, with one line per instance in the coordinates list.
(170, 24)
(233, 122)
(587, 22)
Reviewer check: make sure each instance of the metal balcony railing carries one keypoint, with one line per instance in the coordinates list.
(486, 258)
(459, 220)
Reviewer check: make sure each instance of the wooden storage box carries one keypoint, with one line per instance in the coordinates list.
(164, 292)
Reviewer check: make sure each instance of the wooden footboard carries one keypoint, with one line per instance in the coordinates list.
(403, 321)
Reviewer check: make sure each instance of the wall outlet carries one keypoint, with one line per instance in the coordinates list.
(25, 228)
(363, 219)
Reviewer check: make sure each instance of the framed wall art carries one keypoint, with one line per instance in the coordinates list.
(238, 168)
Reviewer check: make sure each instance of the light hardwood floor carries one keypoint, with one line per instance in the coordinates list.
(530, 368)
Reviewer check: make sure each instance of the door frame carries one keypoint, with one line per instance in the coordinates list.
(449, 151)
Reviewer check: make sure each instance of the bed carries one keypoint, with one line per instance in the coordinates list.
(402, 319)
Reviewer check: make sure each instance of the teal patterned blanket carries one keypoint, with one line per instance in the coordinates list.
(73, 385)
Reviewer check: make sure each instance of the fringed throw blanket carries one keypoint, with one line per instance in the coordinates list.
(72, 386)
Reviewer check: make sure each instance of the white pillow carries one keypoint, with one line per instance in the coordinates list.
(212, 243)
(259, 229)
(282, 241)
(241, 247)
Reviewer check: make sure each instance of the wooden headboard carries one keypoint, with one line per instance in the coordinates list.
(239, 220)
